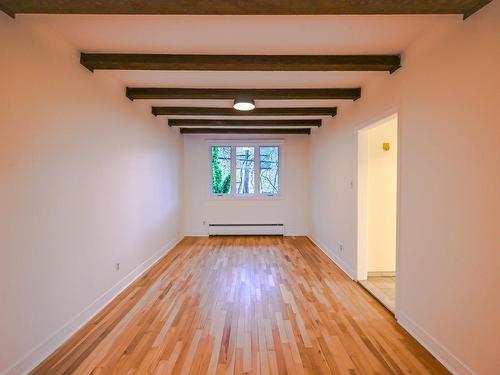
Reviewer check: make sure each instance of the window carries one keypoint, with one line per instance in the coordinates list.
(245, 170)
(269, 169)
(221, 169)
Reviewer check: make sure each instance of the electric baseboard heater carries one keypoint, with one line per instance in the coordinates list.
(246, 229)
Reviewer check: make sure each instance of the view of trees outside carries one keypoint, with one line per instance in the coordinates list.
(269, 169)
(245, 170)
(221, 169)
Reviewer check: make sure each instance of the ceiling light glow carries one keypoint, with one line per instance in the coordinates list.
(244, 104)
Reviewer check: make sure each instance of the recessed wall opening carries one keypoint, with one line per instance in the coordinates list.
(377, 209)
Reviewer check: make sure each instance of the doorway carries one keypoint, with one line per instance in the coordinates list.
(377, 209)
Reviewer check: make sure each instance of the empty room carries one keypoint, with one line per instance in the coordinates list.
(249, 187)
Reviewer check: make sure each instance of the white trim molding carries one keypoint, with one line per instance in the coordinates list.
(381, 273)
(47, 347)
(335, 258)
(443, 355)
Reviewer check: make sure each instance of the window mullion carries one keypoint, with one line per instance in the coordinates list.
(257, 169)
(233, 170)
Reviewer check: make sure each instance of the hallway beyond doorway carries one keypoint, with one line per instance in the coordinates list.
(377, 209)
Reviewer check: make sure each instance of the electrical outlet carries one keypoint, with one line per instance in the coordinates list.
(341, 246)
(204, 222)
(117, 267)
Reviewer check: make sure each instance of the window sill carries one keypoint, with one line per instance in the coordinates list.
(245, 197)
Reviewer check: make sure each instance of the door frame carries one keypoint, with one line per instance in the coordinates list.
(361, 199)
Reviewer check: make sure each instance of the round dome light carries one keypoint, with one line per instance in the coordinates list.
(244, 104)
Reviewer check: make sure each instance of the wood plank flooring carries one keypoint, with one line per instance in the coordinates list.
(382, 288)
(242, 305)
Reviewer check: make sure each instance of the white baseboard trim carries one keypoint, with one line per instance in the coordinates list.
(382, 273)
(47, 347)
(443, 355)
(336, 259)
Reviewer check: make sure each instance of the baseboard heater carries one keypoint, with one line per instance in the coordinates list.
(246, 229)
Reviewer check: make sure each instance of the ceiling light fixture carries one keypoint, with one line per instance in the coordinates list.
(244, 104)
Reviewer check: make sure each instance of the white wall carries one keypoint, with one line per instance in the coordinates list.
(87, 179)
(382, 193)
(292, 208)
(446, 95)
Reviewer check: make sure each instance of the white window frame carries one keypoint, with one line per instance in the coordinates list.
(246, 143)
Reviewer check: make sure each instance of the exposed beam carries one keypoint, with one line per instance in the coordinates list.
(211, 111)
(263, 7)
(244, 131)
(255, 123)
(7, 11)
(475, 8)
(126, 61)
(270, 94)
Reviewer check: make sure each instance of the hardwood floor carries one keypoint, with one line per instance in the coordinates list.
(242, 305)
(382, 288)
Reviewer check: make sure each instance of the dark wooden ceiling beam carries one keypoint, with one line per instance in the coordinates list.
(259, 111)
(259, 94)
(244, 131)
(475, 8)
(244, 123)
(7, 11)
(126, 61)
(263, 7)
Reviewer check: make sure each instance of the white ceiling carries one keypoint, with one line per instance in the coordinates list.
(241, 35)
(218, 79)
